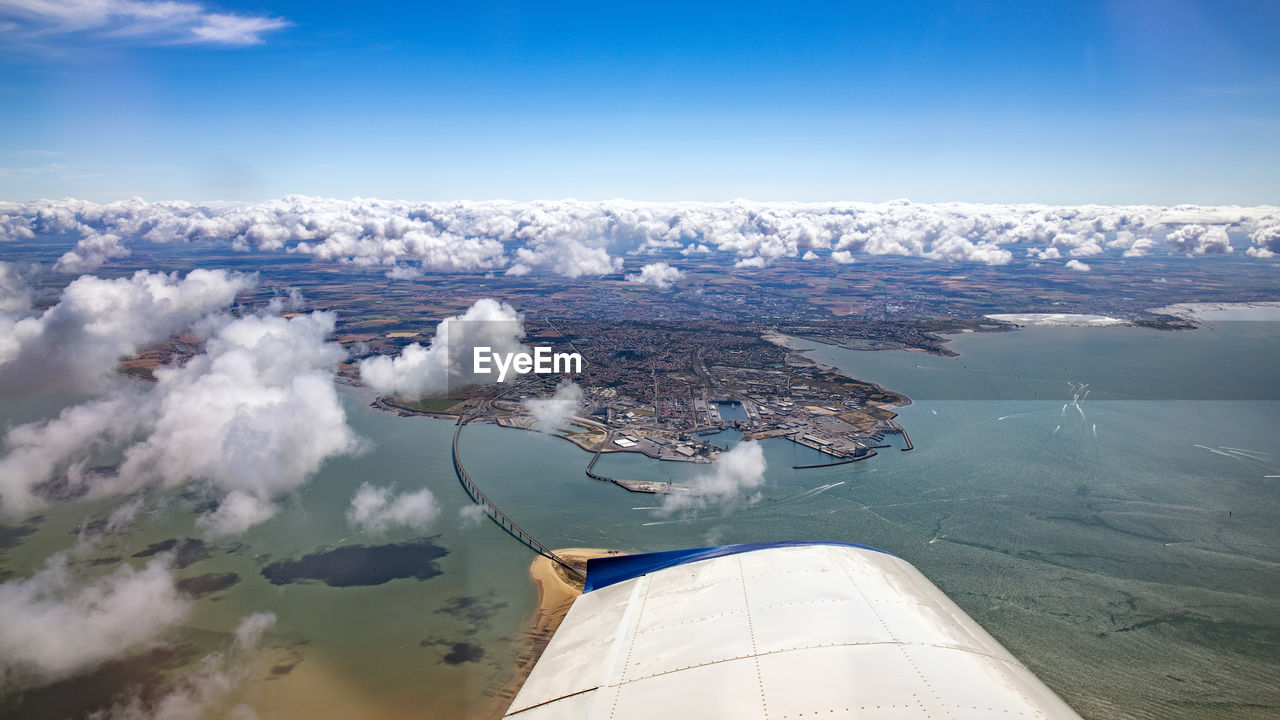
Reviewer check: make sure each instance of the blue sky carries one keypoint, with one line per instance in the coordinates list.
(1099, 102)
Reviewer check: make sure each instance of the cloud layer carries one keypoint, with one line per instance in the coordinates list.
(573, 239)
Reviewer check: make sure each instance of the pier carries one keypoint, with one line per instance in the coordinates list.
(905, 437)
(845, 461)
(499, 517)
(636, 486)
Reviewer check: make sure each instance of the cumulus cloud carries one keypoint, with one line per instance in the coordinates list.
(550, 413)
(15, 293)
(659, 275)
(567, 257)
(78, 342)
(53, 626)
(376, 509)
(428, 370)
(1123, 240)
(574, 239)
(135, 20)
(1076, 265)
(1266, 241)
(37, 452)
(254, 415)
(471, 515)
(210, 690)
(91, 253)
(1088, 249)
(1141, 247)
(957, 249)
(1199, 240)
(733, 479)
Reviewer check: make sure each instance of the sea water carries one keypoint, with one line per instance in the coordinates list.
(1125, 549)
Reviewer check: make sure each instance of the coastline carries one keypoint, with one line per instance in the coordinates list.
(557, 591)
(787, 341)
(1239, 311)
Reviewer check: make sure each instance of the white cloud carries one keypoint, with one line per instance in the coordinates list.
(137, 20)
(254, 415)
(420, 370)
(1123, 240)
(1266, 239)
(238, 511)
(958, 249)
(1199, 240)
(567, 257)
(550, 413)
(38, 451)
(15, 294)
(78, 342)
(1077, 266)
(574, 239)
(210, 690)
(659, 275)
(226, 29)
(733, 479)
(377, 509)
(91, 253)
(471, 515)
(1141, 247)
(53, 627)
(1088, 249)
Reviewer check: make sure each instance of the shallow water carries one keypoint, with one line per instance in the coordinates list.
(1125, 550)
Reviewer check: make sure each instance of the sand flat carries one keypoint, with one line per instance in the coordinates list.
(1057, 319)
(1248, 311)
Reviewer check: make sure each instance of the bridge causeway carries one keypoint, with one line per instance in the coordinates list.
(499, 517)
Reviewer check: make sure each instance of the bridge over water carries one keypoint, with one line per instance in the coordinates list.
(496, 515)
